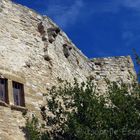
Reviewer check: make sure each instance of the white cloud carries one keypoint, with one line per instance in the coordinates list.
(65, 15)
(69, 12)
(127, 35)
(115, 5)
(135, 4)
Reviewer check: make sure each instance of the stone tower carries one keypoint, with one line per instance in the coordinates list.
(34, 54)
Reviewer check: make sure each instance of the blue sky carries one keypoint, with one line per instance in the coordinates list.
(99, 28)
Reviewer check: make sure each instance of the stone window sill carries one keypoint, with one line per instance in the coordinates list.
(14, 107)
(2, 103)
(19, 108)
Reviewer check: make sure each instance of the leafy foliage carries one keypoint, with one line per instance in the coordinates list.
(93, 117)
(90, 116)
(137, 58)
(78, 112)
(32, 129)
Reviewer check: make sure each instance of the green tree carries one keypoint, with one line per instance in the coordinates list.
(32, 130)
(112, 117)
(137, 58)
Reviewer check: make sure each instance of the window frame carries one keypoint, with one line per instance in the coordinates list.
(18, 92)
(6, 96)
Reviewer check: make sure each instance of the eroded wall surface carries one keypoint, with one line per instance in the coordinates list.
(36, 52)
(12, 124)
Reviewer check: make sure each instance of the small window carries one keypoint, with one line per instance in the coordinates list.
(3, 90)
(18, 93)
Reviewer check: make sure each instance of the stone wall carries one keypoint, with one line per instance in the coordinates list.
(34, 51)
(118, 69)
(11, 124)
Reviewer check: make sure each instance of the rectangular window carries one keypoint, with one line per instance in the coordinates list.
(3, 90)
(18, 93)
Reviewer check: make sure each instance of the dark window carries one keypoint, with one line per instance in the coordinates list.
(18, 93)
(3, 90)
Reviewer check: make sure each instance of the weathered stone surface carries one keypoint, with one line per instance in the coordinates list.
(35, 51)
(11, 124)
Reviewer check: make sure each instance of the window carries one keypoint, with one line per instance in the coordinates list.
(18, 93)
(3, 90)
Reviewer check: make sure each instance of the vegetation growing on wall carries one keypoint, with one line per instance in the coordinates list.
(137, 58)
(33, 132)
(93, 117)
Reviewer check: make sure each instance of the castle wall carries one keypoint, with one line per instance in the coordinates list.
(11, 124)
(36, 53)
(117, 69)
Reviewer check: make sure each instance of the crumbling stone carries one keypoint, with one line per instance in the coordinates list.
(27, 38)
(52, 34)
(47, 57)
(41, 28)
(66, 50)
(28, 64)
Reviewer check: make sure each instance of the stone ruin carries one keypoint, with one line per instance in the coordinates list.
(34, 53)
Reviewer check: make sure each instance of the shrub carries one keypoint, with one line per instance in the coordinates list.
(112, 117)
(33, 132)
(93, 117)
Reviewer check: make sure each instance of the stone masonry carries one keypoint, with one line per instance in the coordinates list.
(35, 52)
